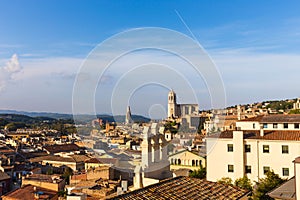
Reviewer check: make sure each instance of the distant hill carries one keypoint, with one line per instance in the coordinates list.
(32, 117)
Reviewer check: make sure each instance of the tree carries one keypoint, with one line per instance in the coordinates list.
(200, 173)
(225, 181)
(244, 183)
(49, 170)
(295, 111)
(265, 185)
(67, 173)
(13, 126)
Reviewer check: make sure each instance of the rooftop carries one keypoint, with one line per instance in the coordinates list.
(62, 148)
(279, 118)
(185, 188)
(4, 176)
(72, 158)
(284, 191)
(29, 191)
(44, 178)
(268, 135)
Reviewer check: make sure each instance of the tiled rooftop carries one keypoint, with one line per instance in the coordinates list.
(185, 188)
(29, 191)
(62, 148)
(268, 135)
(285, 191)
(72, 158)
(44, 178)
(280, 118)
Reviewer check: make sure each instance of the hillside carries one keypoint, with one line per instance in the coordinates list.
(33, 117)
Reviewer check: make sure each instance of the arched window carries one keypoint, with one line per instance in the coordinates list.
(193, 162)
(179, 162)
(171, 161)
(196, 162)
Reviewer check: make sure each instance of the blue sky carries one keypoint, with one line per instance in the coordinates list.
(255, 45)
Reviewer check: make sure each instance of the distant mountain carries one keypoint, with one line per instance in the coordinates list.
(38, 114)
(33, 116)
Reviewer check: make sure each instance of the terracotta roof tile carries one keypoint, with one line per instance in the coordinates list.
(279, 118)
(62, 148)
(27, 192)
(268, 135)
(185, 188)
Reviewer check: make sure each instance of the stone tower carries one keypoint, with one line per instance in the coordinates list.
(128, 119)
(172, 105)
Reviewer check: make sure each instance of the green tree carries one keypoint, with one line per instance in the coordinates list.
(244, 183)
(200, 173)
(265, 185)
(295, 111)
(225, 181)
(67, 173)
(49, 170)
(13, 126)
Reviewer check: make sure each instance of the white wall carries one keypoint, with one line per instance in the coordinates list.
(218, 158)
(248, 125)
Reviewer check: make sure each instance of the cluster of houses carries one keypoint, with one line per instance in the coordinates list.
(138, 161)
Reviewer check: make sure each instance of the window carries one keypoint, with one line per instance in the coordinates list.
(266, 169)
(275, 125)
(296, 126)
(247, 148)
(230, 147)
(285, 148)
(253, 125)
(285, 125)
(265, 125)
(266, 149)
(230, 168)
(285, 171)
(248, 169)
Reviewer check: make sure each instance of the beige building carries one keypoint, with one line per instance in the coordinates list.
(50, 182)
(75, 162)
(186, 159)
(262, 143)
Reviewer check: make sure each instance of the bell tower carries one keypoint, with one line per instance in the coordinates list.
(172, 104)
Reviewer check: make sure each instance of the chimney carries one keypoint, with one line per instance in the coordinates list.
(261, 130)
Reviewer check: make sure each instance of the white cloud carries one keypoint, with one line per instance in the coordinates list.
(9, 70)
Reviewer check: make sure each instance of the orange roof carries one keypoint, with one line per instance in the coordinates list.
(268, 135)
(185, 188)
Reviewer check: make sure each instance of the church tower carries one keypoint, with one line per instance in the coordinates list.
(172, 113)
(128, 119)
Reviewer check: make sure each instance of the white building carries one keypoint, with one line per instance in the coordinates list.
(296, 105)
(261, 143)
(155, 165)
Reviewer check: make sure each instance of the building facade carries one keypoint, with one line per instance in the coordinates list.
(176, 110)
(187, 113)
(261, 144)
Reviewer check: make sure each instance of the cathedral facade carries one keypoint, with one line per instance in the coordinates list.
(176, 110)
